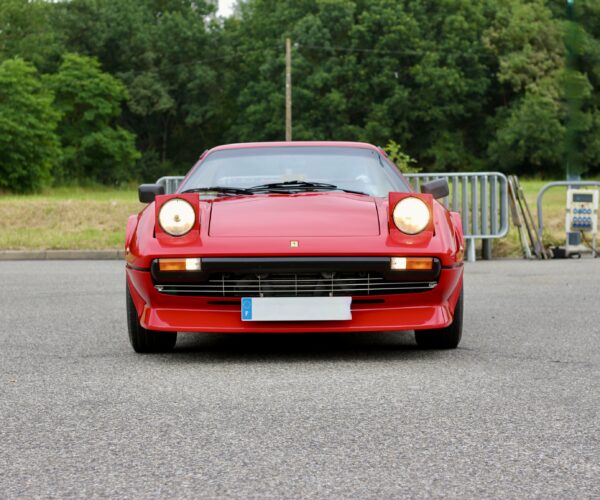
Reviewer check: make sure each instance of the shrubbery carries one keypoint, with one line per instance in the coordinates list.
(29, 146)
(95, 148)
(62, 127)
(461, 84)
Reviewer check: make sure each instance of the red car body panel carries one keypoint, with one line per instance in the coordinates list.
(294, 216)
(334, 224)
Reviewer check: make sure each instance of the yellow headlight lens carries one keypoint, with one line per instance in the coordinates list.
(177, 217)
(411, 215)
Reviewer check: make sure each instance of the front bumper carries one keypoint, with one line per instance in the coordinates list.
(407, 311)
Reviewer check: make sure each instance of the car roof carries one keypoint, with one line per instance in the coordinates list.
(337, 144)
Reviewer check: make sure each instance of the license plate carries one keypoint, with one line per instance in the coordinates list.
(296, 308)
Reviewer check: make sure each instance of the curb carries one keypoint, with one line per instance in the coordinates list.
(61, 255)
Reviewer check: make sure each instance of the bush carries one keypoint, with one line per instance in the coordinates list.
(402, 160)
(95, 149)
(29, 146)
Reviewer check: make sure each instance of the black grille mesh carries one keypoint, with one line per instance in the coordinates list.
(294, 285)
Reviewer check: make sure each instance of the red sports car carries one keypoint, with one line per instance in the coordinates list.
(294, 237)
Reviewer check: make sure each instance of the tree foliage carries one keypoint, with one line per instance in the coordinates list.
(29, 146)
(27, 32)
(89, 102)
(404, 162)
(156, 48)
(461, 84)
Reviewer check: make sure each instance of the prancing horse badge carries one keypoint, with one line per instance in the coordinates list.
(294, 244)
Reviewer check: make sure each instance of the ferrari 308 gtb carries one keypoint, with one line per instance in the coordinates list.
(294, 237)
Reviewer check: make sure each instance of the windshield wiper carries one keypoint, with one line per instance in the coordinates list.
(293, 185)
(219, 189)
(353, 191)
(297, 186)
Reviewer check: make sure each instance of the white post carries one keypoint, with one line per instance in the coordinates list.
(471, 257)
(288, 89)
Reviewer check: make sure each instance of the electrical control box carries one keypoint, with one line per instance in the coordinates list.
(582, 211)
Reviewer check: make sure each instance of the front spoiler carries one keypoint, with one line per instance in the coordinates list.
(409, 311)
(376, 319)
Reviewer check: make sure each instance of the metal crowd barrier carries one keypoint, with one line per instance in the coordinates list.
(170, 182)
(480, 197)
(482, 200)
(540, 206)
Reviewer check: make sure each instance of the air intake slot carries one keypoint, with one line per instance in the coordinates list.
(294, 285)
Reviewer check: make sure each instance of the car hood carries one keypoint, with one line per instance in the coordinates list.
(303, 214)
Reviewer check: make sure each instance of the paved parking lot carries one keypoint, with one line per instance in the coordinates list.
(515, 412)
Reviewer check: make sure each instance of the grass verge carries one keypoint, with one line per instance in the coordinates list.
(95, 218)
(66, 218)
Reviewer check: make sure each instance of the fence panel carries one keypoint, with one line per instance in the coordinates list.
(170, 182)
(480, 197)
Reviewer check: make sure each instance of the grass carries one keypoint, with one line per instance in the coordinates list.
(554, 203)
(95, 218)
(66, 218)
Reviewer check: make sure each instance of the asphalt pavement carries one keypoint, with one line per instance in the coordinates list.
(513, 413)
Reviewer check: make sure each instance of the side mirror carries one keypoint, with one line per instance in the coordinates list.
(147, 192)
(438, 188)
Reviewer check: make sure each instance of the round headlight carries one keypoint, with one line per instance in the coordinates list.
(411, 215)
(177, 217)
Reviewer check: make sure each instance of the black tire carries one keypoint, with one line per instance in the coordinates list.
(443, 338)
(146, 341)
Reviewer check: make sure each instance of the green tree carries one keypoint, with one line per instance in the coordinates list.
(367, 71)
(158, 49)
(528, 123)
(26, 32)
(29, 146)
(529, 132)
(461, 84)
(94, 148)
(404, 162)
(587, 50)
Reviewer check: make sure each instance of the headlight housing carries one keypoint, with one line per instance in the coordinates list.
(411, 215)
(177, 217)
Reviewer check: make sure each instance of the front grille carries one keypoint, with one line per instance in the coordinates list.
(294, 285)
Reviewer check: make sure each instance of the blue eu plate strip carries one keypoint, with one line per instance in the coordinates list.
(246, 309)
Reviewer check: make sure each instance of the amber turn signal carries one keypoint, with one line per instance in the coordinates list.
(412, 263)
(180, 265)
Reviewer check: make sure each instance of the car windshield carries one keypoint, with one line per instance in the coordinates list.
(345, 168)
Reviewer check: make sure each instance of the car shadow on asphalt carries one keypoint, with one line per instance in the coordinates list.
(373, 346)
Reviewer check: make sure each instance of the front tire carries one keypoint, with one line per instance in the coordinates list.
(443, 338)
(146, 341)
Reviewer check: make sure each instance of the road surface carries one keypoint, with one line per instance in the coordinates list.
(514, 412)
